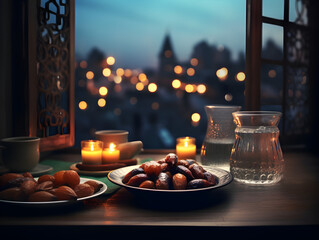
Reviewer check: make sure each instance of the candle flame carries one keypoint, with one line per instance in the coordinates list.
(112, 147)
(92, 147)
(186, 143)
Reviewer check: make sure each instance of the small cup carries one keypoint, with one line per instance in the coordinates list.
(112, 136)
(20, 154)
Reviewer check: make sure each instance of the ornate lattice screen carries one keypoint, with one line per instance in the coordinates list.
(51, 72)
(287, 70)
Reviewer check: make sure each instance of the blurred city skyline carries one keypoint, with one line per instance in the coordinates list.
(133, 33)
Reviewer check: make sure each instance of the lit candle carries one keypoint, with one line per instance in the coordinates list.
(91, 152)
(110, 154)
(186, 148)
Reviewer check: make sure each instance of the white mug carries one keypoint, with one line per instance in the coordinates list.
(20, 154)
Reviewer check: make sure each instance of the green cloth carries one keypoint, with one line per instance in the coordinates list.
(59, 165)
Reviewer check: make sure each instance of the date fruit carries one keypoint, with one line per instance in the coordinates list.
(152, 168)
(28, 187)
(45, 178)
(132, 173)
(163, 181)
(197, 171)
(185, 171)
(59, 178)
(198, 183)
(147, 184)
(83, 190)
(137, 179)
(14, 194)
(71, 178)
(96, 186)
(64, 193)
(42, 196)
(179, 181)
(45, 186)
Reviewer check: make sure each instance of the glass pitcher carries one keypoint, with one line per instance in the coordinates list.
(219, 137)
(256, 157)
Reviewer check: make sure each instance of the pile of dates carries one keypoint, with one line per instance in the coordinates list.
(170, 173)
(63, 185)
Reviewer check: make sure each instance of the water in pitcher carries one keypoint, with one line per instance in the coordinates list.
(216, 153)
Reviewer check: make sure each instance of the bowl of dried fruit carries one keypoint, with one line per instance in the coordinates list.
(62, 188)
(170, 176)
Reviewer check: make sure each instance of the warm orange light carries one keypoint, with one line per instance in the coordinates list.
(128, 72)
(139, 86)
(178, 69)
(103, 91)
(110, 60)
(142, 77)
(228, 97)
(101, 102)
(117, 88)
(120, 72)
(195, 117)
(89, 75)
(83, 105)
(176, 83)
(194, 62)
(155, 105)
(190, 72)
(152, 87)
(201, 88)
(241, 76)
(117, 79)
(106, 72)
(134, 80)
(83, 64)
(222, 73)
(189, 88)
(272, 73)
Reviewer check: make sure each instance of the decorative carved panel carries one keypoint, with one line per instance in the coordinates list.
(54, 72)
(297, 99)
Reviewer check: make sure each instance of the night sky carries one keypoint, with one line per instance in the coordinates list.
(133, 30)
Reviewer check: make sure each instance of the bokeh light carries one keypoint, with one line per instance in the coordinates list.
(194, 62)
(103, 91)
(83, 64)
(142, 77)
(101, 102)
(90, 75)
(201, 88)
(106, 72)
(176, 83)
(83, 105)
(195, 117)
(178, 69)
(222, 73)
(190, 72)
(240, 76)
(139, 86)
(120, 72)
(152, 87)
(228, 97)
(189, 88)
(110, 60)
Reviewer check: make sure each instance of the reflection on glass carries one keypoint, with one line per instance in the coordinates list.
(273, 9)
(272, 41)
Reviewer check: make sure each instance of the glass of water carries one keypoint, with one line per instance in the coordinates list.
(220, 136)
(256, 157)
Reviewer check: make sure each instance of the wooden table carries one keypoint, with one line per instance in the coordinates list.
(290, 207)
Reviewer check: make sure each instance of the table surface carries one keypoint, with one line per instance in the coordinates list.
(293, 203)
